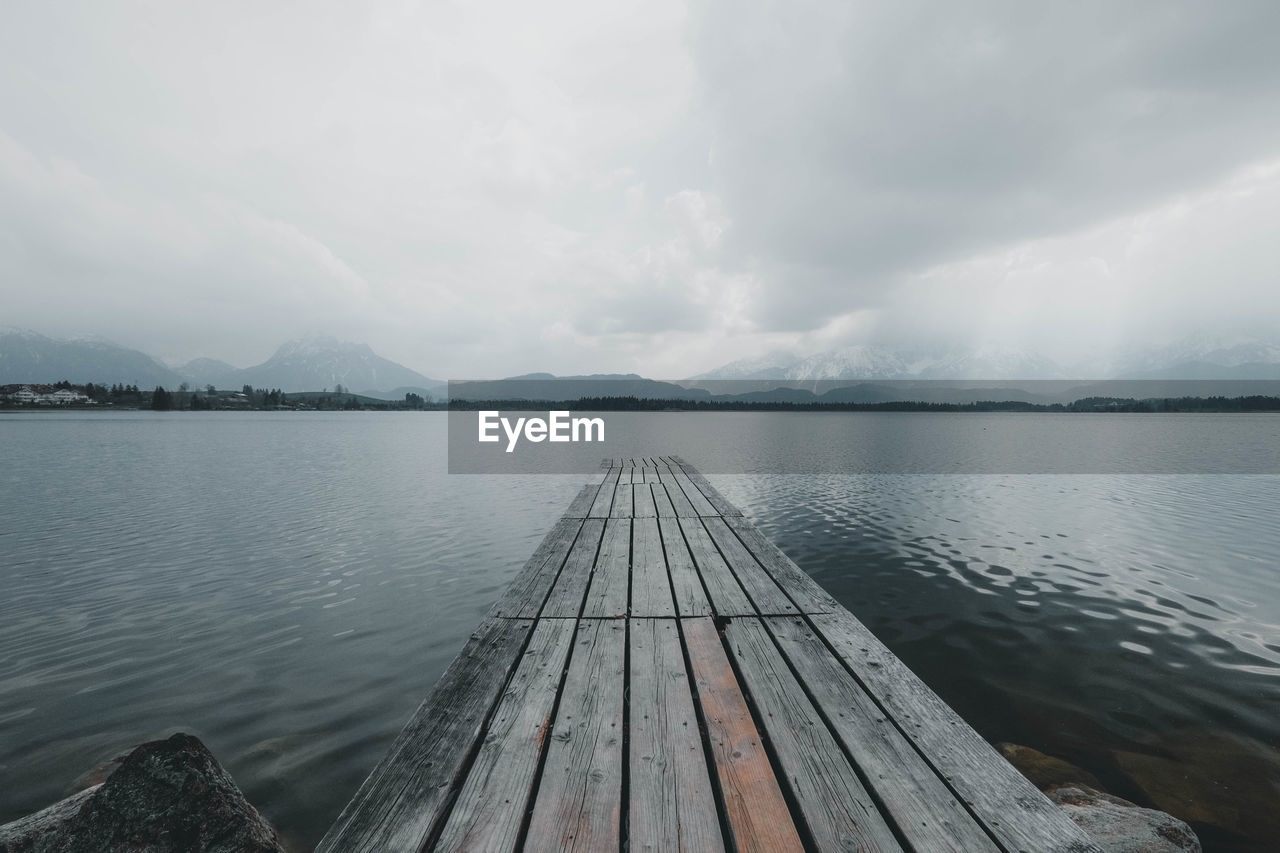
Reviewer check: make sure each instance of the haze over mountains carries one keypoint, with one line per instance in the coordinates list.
(1200, 357)
(311, 364)
(323, 362)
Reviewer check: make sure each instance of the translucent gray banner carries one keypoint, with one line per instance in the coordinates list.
(556, 426)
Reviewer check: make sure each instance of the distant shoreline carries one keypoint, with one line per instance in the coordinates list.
(1088, 405)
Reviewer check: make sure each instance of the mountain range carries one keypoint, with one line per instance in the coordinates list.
(311, 364)
(323, 362)
(1199, 357)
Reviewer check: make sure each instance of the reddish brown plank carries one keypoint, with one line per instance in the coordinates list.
(757, 814)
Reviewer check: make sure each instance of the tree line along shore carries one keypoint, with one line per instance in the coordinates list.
(91, 395)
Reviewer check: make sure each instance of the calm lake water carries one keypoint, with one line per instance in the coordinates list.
(288, 586)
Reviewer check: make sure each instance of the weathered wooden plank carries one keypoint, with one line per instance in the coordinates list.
(405, 796)
(756, 812)
(918, 802)
(726, 594)
(523, 598)
(643, 505)
(719, 501)
(491, 805)
(610, 582)
(565, 600)
(1009, 806)
(650, 586)
(679, 502)
(675, 478)
(672, 805)
(581, 506)
(804, 591)
(604, 498)
(765, 593)
(838, 811)
(686, 586)
(661, 501)
(696, 496)
(623, 499)
(579, 800)
(651, 475)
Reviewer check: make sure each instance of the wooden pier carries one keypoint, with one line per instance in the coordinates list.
(660, 676)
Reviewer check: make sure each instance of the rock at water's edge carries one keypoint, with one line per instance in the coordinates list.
(1045, 771)
(1120, 826)
(40, 831)
(166, 795)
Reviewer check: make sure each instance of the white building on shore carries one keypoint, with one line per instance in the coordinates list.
(28, 396)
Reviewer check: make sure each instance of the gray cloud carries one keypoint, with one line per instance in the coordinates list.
(858, 141)
(483, 190)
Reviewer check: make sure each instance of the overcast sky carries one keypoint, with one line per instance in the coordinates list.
(482, 189)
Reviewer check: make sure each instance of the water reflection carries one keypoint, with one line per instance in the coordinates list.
(289, 587)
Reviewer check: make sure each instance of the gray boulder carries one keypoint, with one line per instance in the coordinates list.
(167, 795)
(1120, 826)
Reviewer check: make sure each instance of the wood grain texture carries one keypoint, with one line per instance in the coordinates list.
(804, 591)
(675, 478)
(661, 501)
(1010, 807)
(578, 805)
(643, 505)
(565, 599)
(727, 597)
(581, 506)
(491, 805)
(623, 498)
(838, 811)
(918, 802)
(764, 591)
(672, 805)
(399, 805)
(523, 598)
(603, 503)
(686, 585)
(651, 475)
(679, 502)
(709, 491)
(755, 810)
(611, 580)
(650, 585)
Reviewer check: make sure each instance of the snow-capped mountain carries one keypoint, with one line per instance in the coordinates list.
(312, 364)
(771, 365)
(991, 362)
(855, 362)
(27, 356)
(1200, 357)
(871, 362)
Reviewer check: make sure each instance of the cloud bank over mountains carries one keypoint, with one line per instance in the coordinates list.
(324, 362)
(654, 187)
